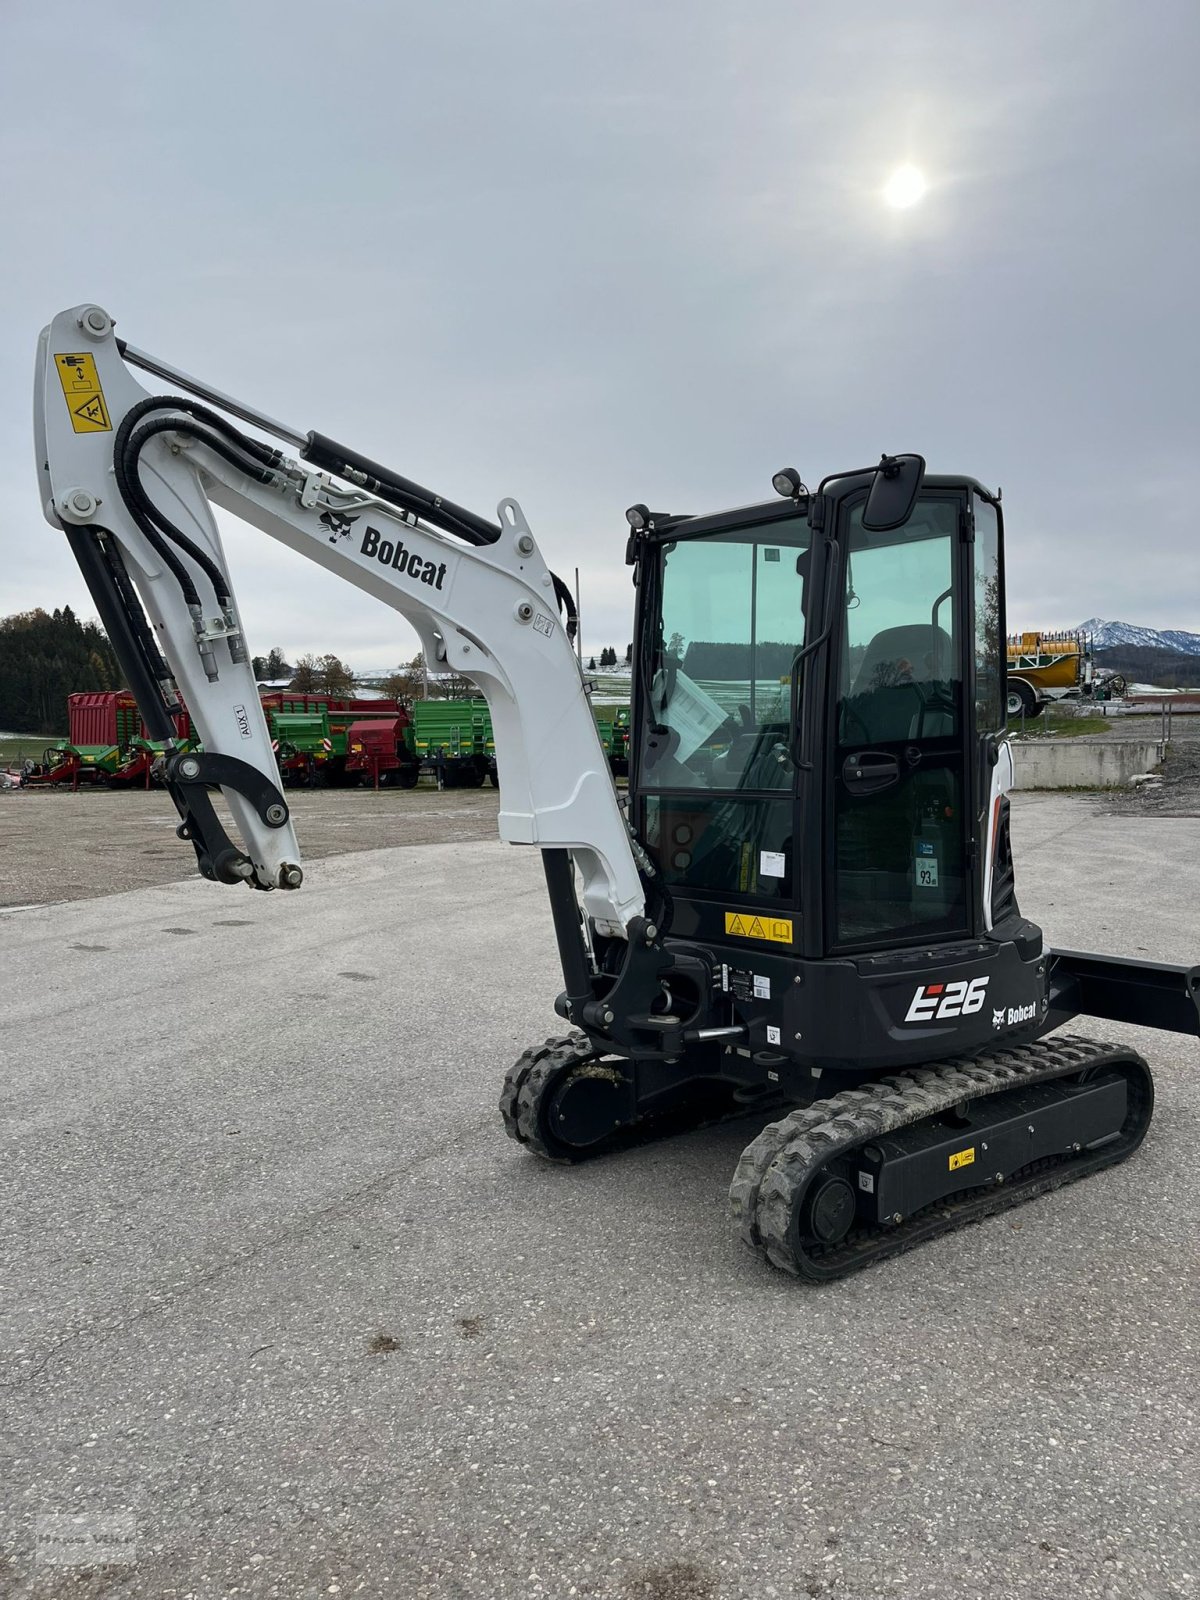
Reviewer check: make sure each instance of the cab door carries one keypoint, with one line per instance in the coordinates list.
(902, 825)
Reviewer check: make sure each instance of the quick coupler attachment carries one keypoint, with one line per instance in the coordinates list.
(189, 777)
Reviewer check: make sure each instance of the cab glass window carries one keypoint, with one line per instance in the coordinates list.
(731, 624)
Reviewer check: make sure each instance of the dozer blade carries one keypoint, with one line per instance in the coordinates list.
(850, 1180)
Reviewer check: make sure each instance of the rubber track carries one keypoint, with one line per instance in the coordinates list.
(528, 1079)
(777, 1167)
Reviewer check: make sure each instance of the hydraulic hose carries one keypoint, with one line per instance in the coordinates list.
(134, 506)
(566, 602)
(126, 626)
(256, 460)
(219, 445)
(330, 456)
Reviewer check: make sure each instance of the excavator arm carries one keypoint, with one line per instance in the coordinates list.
(132, 478)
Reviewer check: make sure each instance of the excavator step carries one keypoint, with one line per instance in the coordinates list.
(848, 1181)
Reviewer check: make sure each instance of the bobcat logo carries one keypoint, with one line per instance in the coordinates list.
(998, 1018)
(338, 525)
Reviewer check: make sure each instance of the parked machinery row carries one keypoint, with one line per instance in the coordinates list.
(318, 740)
(454, 740)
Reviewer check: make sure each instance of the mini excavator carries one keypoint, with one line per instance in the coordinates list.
(805, 906)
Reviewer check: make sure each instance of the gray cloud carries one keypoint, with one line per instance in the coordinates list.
(594, 253)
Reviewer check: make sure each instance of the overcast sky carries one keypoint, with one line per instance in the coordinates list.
(591, 252)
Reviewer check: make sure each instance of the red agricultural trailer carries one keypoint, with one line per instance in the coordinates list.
(111, 716)
(379, 752)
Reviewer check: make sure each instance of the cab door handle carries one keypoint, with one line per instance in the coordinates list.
(870, 771)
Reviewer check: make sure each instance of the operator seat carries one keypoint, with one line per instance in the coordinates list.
(886, 700)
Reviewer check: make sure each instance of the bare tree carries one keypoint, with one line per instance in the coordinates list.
(406, 684)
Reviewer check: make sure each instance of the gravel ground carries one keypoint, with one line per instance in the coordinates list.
(55, 845)
(283, 1305)
(1175, 792)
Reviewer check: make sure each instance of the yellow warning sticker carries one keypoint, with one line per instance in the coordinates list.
(84, 396)
(744, 925)
(962, 1158)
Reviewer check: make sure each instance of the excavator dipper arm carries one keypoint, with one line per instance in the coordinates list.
(132, 478)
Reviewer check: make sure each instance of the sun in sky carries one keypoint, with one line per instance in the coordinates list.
(905, 187)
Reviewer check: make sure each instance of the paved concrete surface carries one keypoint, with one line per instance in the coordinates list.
(277, 1289)
(55, 845)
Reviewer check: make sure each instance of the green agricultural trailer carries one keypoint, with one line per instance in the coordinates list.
(302, 744)
(64, 762)
(316, 728)
(454, 740)
(612, 724)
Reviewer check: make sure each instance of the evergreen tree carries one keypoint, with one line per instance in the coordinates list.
(44, 657)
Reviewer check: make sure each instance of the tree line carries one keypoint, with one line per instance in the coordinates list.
(608, 657)
(1144, 663)
(44, 657)
(327, 674)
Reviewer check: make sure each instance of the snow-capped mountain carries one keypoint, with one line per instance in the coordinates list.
(1107, 634)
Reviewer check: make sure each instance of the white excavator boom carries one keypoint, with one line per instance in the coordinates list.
(132, 479)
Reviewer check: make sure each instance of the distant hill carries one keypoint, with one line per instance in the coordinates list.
(1119, 635)
(1166, 669)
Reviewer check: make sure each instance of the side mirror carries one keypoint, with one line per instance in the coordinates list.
(894, 490)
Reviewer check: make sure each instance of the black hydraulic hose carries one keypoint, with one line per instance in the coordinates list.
(663, 914)
(566, 601)
(147, 515)
(155, 539)
(139, 623)
(330, 456)
(126, 627)
(135, 430)
(219, 445)
(267, 454)
(568, 931)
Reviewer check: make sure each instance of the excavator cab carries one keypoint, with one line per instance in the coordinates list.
(818, 717)
(820, 777)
